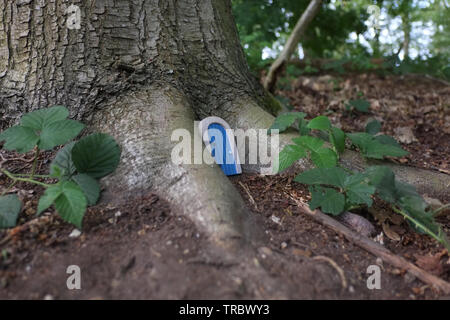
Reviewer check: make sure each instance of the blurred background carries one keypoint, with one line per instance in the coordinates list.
(402, 36)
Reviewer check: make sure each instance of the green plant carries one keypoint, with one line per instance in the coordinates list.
(76, 167)
(362, 105)
(336, 189)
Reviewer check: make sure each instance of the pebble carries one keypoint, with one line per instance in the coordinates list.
(283, 245)
(75, 233)
(48, 297)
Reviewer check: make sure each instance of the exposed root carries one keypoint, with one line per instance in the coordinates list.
(247, 114)
(142, 122)
(374, 248)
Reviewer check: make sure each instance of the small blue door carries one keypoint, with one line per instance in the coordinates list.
(221, 149)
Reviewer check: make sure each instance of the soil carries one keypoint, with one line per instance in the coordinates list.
(142, 248)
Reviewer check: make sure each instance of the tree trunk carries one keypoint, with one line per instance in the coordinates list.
(138, 69)
(291, 43)
(406, 25)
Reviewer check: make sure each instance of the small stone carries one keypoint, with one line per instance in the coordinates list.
(75, 233)
(264, 251)
(275, 219)
(118, 214)
(186, 251)
(409, 278)
(351, 289)
(49, 297)
(283, 245)
(379, 262)
(169, 243)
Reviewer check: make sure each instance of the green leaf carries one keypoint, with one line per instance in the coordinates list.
(360, 193)
(58, 133)
(19, 138)
(337, 138)
(285, 120)
(90, 187)
(328, 176)
(63, 161)
(321, 157)
(37, 120)
(405, 190)
(310, 143)
(372, 148)
(289, 155)
(71, 203)
(96, 155)
(303, 127)
(385, 139)
(360, 105)
(383, 179)
(324, 158)
(328, 199)
(373, 127)
(415, 208)
(10, 206)
(320, 123)
(49, 196)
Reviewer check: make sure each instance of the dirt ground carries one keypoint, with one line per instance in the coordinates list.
(142, 249)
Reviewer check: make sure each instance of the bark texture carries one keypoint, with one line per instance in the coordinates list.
(122, 44)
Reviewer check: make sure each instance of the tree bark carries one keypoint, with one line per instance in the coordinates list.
(291, 43)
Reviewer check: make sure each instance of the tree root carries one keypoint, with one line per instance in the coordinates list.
(142, 122)
(374, 248)
(247, 114)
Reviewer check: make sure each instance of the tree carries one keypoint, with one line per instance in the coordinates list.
(139, 70)
(291, 44)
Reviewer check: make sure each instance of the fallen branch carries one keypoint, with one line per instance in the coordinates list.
(374, 248)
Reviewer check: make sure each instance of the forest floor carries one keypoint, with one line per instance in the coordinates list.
(142, 249)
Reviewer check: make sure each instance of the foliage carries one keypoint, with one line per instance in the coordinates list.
(335, 189)
(343, 32)
(77, 166)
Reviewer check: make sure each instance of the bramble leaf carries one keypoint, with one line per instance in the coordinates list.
(285, 120)
(320, 123)
(90, 187)
(373, 127)
(38, 119)
(19, 138)
(58, 133)
(63, 160)
(289, 155)
(326, 176)
(10, 206)
(329, 200)
(71, 203)
(96, 155)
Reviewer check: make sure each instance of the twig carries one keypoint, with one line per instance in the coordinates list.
(335, 266)
(249, 195)
(374, 248)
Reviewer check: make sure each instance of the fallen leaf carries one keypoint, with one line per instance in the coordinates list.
(391, 234)
(405, 135)
(431, 263)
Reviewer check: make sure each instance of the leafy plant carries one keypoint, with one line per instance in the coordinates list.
(335, 189)
(76, 167)
(361, 105)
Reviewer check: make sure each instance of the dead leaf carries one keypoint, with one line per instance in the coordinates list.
(431, 263)
(405, 135)
(391, 234)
